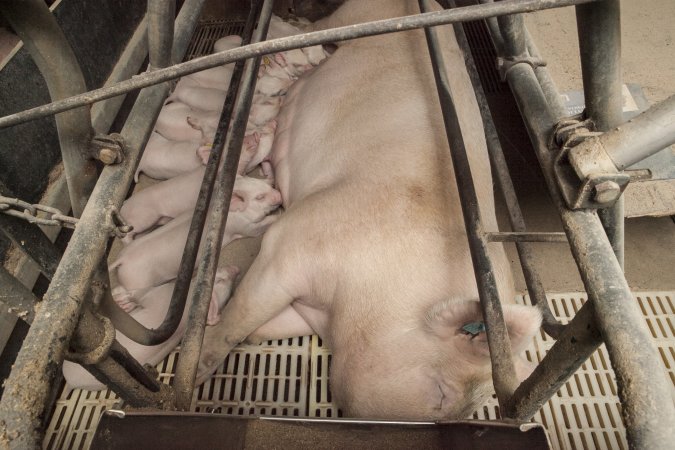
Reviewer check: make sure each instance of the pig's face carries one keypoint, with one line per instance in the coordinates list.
(253, 199)
(437, 371)
(295, 62)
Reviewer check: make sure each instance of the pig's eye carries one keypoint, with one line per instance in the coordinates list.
(260, 197)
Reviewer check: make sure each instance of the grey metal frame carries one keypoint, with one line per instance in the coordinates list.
(611, 315)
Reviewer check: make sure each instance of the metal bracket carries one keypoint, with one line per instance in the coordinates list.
(504, 64)
(108, 148)
(100, 352)
(586, 178)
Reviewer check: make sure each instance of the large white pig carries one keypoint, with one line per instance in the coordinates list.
(164, 201)
(154, 258)
(371, 252)
(150, 313)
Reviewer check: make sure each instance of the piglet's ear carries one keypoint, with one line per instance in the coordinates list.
(238, 203)
(280, 59)
(203, 153)
(462, 323)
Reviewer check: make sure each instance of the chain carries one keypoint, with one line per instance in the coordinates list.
(53, 216)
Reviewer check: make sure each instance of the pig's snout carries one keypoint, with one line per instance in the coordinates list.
(272, 198)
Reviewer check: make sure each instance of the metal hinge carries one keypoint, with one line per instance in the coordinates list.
(55, 217)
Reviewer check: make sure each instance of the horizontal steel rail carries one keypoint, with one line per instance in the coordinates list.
(27, 389)
(186, 370)
(524, 236)
(463, 14)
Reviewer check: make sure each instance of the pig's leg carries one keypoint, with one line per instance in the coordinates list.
(288, 324)
(266, 290)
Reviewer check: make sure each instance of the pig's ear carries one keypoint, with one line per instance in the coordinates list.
(203, 153)
(238, 203)
(280, 59)
(194, 122)
(462, 322)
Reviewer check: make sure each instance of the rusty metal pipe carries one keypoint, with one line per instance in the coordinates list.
(462, 14)
(186, 370)
(49, 48)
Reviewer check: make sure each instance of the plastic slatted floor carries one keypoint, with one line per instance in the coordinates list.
(290, 378)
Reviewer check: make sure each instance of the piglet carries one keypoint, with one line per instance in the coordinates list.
(172, 123)
(153, 259)
(215, 78)
(226, 43)
(150, 313)
(163, 159)
(163, 201)
(198, 97)
(263, 109)
(252, 155)
(295, 62)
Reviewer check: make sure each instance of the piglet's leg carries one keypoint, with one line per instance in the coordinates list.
(260, 297)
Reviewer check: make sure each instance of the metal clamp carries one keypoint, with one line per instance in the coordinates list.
(108, 148)
(100, 352)
(586, 176)
(504, 64)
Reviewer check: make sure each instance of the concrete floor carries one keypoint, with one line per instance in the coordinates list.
(648, 59)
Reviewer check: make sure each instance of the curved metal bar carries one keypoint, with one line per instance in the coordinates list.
(503, 369)
(45, 41)
(27, 389)
(463, 14)
(125, 323)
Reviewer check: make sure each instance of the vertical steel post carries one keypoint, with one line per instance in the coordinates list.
(599, 29)
(45, 41)
(160, 16)
(188, 361)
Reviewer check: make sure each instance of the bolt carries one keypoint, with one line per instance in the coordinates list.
(607, 191)
(107, 156)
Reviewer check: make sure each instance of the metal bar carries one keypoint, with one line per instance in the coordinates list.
(186, 370)
(15, 298)
(513, 34)
(599, 29)
(645, 393)
(114, 366)
(526, 236)
(103, 113)
(642, 136)
(463, 14)
(128, 325)
(27, 389)
(161, 14)
(30, 239)
(503, 371)
(534, 285)
(49, 48)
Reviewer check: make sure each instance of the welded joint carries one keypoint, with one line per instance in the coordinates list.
(108, 148)
(506, 63)
(585, 173)
(101, 351)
